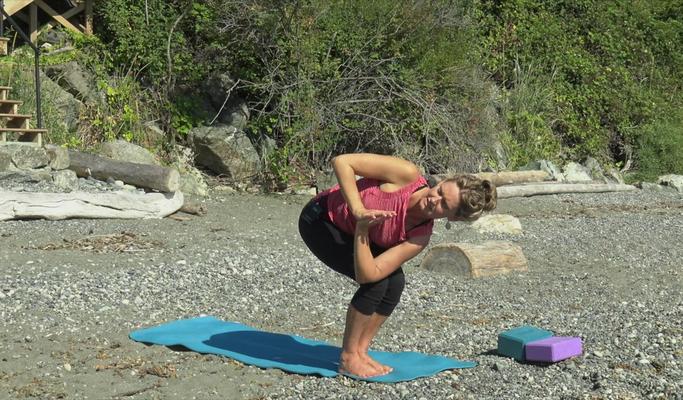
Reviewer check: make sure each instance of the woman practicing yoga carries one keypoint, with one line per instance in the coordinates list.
(367, 229)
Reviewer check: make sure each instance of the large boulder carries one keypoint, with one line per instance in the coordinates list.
(76, 80)
(574, 172)
(674, 181)
(59, 156)
(63, 104)
(498, 223)
(544, 165)
(65, 179)
(225, 150)
(192, 181)
(228, 108)
(126, 151)
(24, 155)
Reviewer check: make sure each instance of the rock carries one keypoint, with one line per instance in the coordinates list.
(225, 150)
(574, 172)
(29, 177)
(552, 170)
(498, 223)
(674, 181)
(233, 110)
(153, 134)
(325, 180)
(192, 182)
(650, 186)
(63, 103)
(594, 169)
(498, 366)
(191, 179)
(25, 155)
(615, 175)
(54, 37)
(65, 179)
(544, 165)
(5, 161)
(76, 80)
(264, 144)
(122, 150)
(59, 157)
(305, 191)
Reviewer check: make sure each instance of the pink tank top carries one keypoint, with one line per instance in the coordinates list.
(390, 232)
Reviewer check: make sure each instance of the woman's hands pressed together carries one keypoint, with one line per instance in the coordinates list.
(366, 218)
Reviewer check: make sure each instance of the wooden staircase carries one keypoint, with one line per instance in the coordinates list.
(15, 127)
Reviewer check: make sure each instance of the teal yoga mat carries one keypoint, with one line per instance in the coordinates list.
(287, 352)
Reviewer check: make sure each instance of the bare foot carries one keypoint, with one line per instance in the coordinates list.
(381, 368)
(355, 364)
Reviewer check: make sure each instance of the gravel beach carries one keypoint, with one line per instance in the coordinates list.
(605, 267)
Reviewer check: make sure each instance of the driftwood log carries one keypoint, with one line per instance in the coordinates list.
(475, 260)
(141, 175)
(557, 188)
(57, 206)
(507, 177)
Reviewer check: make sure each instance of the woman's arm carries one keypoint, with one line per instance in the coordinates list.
(370, 269)
(384, 168)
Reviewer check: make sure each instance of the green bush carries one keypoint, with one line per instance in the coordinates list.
(616, 66)
(326, 77)
(660, 147)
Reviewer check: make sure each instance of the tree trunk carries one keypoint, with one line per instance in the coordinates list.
(140, 175)
(557, 188)
(475, 260)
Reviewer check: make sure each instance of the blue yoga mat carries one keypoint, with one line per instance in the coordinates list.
(287, 352)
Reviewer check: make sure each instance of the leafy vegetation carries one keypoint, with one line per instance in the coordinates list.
(609, 72)
(440, 82)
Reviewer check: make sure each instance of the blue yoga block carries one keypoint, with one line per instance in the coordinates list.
(511, 342)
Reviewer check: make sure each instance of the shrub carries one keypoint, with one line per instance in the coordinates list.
(660, 146)
(616, 64)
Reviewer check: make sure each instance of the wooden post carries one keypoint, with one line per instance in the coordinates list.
(88, 17)
(475, 260)
(33, 23)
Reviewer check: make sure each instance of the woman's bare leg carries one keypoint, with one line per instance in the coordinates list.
(371, 329)
(354, 358)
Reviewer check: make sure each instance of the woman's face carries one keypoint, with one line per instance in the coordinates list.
(441, 201)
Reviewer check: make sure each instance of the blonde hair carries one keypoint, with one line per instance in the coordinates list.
(476, 195)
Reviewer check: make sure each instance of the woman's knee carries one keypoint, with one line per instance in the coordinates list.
(369, 296)
(395, 285)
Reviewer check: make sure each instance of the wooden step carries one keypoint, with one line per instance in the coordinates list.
(33, 135)
(9, 106)
(14, 120)
(4, 91)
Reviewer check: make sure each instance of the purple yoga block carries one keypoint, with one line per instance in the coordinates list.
(553, 349)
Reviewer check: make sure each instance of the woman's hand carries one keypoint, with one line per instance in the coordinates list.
(366, 218)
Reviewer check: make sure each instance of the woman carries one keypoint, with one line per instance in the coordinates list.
(367, 229)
